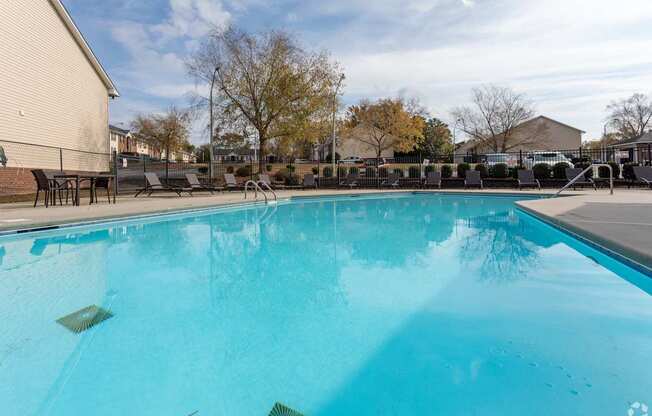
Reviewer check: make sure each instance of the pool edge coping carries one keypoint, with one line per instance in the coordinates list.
(605, 245)
(68, 223)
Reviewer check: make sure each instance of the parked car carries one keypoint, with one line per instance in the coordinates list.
(549, 158)
(496, 158)
(353, 160)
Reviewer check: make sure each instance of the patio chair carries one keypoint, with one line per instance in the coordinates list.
(350, 181)
(644, 175)
(309, 181)
(153, 184)
(264, 178)
(102, 183)
(526, 179)
(392, 181)
(472, 178)
(47, 183)
(572, 173)
(433, 179)
(231, 183)
(196, 185)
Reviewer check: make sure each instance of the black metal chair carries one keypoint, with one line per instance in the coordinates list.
(102, 183)
(45, 181)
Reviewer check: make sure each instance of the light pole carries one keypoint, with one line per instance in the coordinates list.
(454, 131)
(339, 83)
(212, 131)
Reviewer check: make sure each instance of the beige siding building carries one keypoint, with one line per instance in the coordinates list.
(54, 90)
(359, 142)
(539, 133)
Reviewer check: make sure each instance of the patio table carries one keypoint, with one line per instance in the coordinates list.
(91, 177)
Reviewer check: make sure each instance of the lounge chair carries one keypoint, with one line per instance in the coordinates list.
(153, 184)
(572, 173)
(264, 178)
(350, 181)
(526, 179)
(46, 182)
(231, 183)
(433, 179)
(472, 178)
(309, 181)
(196, 185)
(644, 175)
(392, 181)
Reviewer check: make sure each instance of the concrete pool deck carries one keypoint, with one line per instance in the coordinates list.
(621, 222)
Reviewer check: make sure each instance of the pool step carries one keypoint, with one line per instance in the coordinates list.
(280, 409)
(84, 319)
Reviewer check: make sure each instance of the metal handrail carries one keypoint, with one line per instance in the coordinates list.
(269, 188)
(256, 189)
(575, 179)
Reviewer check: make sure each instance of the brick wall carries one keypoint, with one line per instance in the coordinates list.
(16, 181)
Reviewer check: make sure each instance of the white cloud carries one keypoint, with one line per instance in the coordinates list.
(468, 3)
(193, 18)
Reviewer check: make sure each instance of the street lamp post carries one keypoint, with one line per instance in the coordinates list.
(339, 83)
(454, 131)
(212, 131)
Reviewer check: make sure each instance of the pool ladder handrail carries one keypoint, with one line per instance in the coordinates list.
(257, 188)
(581, 175)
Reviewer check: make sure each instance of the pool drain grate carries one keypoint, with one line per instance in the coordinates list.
(84, 319)
(282, 410)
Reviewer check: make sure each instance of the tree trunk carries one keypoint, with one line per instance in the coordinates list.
(261, 154)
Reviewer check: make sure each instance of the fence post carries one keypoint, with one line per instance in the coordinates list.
(167, 169)
(61, 159)
(520, 157)
(115, 172)
(144, 169)
(580, 154)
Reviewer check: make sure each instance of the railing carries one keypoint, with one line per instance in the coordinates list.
(581, 175)
(266, 185)
(257, 188)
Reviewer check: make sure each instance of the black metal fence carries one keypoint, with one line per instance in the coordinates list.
(17, 159)
(497, 168)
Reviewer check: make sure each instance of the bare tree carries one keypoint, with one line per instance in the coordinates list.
(493, 119)
(169, 131)
(630, 117)
(265, 80)
(389, 123)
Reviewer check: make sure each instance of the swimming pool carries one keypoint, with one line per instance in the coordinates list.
(375, 305)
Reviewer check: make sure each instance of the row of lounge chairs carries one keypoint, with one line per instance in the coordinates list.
(473, 179)
(193, 184)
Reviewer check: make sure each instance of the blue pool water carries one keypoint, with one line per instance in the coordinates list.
(402, 305)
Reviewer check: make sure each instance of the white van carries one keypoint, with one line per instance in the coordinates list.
(549, 158)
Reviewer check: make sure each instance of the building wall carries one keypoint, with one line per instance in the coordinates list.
(550, 135)
(351, 145)
(50, 93)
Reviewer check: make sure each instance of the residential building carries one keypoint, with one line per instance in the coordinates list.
(243, 155)
(357, 142)
(637, 149)
(539, 133)
(54, 93)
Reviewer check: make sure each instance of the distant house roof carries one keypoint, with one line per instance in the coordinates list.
(118, 129)
(237, 152)
(77, 35)
(471, 143)
(643, 139)
(554, 121)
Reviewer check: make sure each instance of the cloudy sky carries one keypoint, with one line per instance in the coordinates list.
(571, 57)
